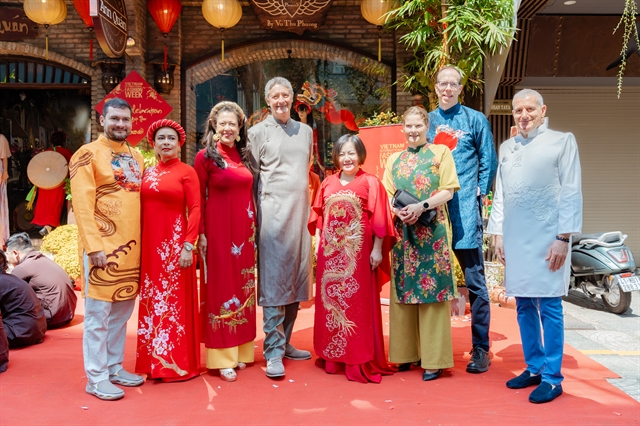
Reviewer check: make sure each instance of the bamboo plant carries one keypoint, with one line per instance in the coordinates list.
(450, 32)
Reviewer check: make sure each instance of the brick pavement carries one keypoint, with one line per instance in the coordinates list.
(611, 340)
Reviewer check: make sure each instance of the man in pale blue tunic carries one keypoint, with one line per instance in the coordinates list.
(536, 209)
(281, 151)
(468, 134)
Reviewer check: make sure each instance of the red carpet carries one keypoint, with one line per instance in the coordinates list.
(44, 384)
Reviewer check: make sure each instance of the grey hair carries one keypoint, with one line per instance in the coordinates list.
(525, 93)
(20, 242)
(277, 80)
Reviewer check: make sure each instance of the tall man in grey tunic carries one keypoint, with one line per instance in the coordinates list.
(538, 205)
(281, 151)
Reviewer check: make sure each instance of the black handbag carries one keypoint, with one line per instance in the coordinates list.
(402, 198)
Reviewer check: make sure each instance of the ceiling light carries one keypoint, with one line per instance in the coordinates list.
(570, 2)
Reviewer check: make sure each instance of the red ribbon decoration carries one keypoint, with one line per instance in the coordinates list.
(82, 7)
(165, 13)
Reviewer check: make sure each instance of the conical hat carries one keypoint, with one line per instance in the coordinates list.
(47, 169)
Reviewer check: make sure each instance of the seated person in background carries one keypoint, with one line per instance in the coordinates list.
(22, 316)
(4, 348)
(52, 284)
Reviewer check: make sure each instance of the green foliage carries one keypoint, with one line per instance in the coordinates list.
(67, 189)
(468, 32)
(628, 21)
(382, 119)
(149, 157)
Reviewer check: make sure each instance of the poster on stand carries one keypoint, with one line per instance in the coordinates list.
(146, 104)
(381, 142)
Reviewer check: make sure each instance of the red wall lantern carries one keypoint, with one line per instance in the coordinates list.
(82, 7)
(165, 13)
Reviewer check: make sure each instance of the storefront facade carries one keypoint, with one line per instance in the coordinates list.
(341, 58)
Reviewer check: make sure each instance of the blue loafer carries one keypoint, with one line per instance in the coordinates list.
(545, 393)
(524, 380)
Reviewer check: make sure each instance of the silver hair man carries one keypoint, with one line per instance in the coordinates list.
(526, 93)
(274, 81)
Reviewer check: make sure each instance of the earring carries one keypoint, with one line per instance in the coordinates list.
(216, 137)
(238, 138)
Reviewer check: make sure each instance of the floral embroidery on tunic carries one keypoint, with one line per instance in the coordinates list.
(232, 311)
(161, 329)
(153, 176)
(343, 233)
(542, 202)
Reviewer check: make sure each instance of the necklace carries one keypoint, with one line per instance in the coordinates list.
(120, 154)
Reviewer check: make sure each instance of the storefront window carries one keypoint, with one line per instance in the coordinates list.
(340, 96)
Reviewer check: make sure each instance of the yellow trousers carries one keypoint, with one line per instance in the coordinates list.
(420, 332)
(230, 357)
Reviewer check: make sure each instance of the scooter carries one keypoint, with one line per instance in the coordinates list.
(602, 265)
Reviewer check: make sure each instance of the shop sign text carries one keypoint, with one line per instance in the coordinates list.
(295, 16)
(15, 26)
(501, 107)
(111, 25)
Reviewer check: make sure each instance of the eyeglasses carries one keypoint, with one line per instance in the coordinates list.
(444, 84)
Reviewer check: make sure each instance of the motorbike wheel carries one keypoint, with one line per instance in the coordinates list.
(616, 300)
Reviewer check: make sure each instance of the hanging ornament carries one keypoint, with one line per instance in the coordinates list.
(373, 11)
(82, 7)
(222, 14)
(46, 12)
(165, 13)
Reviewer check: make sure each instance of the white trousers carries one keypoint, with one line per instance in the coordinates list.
(105, 331)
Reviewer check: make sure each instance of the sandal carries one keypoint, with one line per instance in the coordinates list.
(228, 374)
(241, 366)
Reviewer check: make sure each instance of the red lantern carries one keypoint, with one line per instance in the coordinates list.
(165, 13)
(82, 7)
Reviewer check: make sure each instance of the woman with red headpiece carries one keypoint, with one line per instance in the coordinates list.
(168, 342)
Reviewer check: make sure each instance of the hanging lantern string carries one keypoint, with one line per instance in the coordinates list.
(46, 41)
(222, 33)
(379, 43)
(91, 43)
(165, 52)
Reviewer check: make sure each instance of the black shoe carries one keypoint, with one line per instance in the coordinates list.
(406, 366)
(524, 380)
(545, 393)
(431, 376)
(479, 362)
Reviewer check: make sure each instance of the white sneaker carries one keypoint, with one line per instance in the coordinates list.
(104, 390)
(228, 374)
(275, 368)
(124, 378)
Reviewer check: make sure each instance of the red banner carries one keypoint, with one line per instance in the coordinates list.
(146, 104)
(381, 142)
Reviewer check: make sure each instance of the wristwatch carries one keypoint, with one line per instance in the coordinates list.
(188, 246)
(425, 205)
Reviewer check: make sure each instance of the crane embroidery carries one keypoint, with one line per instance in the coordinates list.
(236, 250)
